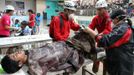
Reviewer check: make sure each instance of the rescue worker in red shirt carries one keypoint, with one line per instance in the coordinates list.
(60, 25)
(102, 23)
(119, 44)
(6, 22)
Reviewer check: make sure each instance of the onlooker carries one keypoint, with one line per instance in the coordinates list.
(5, 22)
(38, 19)
(31, 20)
(17, 23)
(1, 13)
(25, 30)
(129, 10)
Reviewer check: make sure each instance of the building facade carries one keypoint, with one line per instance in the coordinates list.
(20, 5)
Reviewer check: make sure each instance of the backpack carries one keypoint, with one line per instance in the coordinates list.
(51, 34)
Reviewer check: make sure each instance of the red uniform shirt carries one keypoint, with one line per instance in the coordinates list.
(5, 20)
(102, 24)
(32, 18)
(62, 34)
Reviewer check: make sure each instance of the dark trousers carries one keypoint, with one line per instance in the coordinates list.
(32, 32)
(2, 36)
(115, 68)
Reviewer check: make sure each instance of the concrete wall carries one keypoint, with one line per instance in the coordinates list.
(2, 5)
(29, 4)
(52, 6)
(40, 6)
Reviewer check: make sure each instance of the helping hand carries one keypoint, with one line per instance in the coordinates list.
(86, 29)
(82, 27)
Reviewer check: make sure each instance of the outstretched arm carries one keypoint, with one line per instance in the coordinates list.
(91, 32)
(74, 26)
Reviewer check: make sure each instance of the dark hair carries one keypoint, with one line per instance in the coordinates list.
(121, 15)
(118, 13)
(66, 9)
(130, 4)
(38, 14)
(17, 20)
(8, 11)
(9, 65)
(30, 10)
(24, 23)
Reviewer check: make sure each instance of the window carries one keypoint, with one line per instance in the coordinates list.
(19, 5)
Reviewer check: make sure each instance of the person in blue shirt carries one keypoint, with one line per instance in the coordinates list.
(17, 23)
(38, 19)
(129, 10)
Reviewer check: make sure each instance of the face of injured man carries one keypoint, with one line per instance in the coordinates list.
(18, 56)
(13, 62)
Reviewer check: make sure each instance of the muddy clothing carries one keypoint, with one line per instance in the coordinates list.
(53, 57)
(120, 49)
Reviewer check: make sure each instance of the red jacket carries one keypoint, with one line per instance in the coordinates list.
(120, 49)
(62, 34)
(102, 24)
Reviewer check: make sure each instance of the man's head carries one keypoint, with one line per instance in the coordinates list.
(13, 62)
(118, 15)
(9, 10)
(24, 24)
(69, 8)
(38, 14)
(101, 7)
(30, 11)
(17, 21)
(130, 4)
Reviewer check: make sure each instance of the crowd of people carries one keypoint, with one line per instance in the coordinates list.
(16, 13)
(7, 29)
(115, 35)
(89, 10)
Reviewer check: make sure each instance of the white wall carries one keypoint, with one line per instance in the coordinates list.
(40, 6)
(29, 4)
(2, 5)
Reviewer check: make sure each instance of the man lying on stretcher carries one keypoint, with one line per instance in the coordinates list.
(50, 57)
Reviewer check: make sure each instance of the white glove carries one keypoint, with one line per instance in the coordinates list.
(82, 27)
